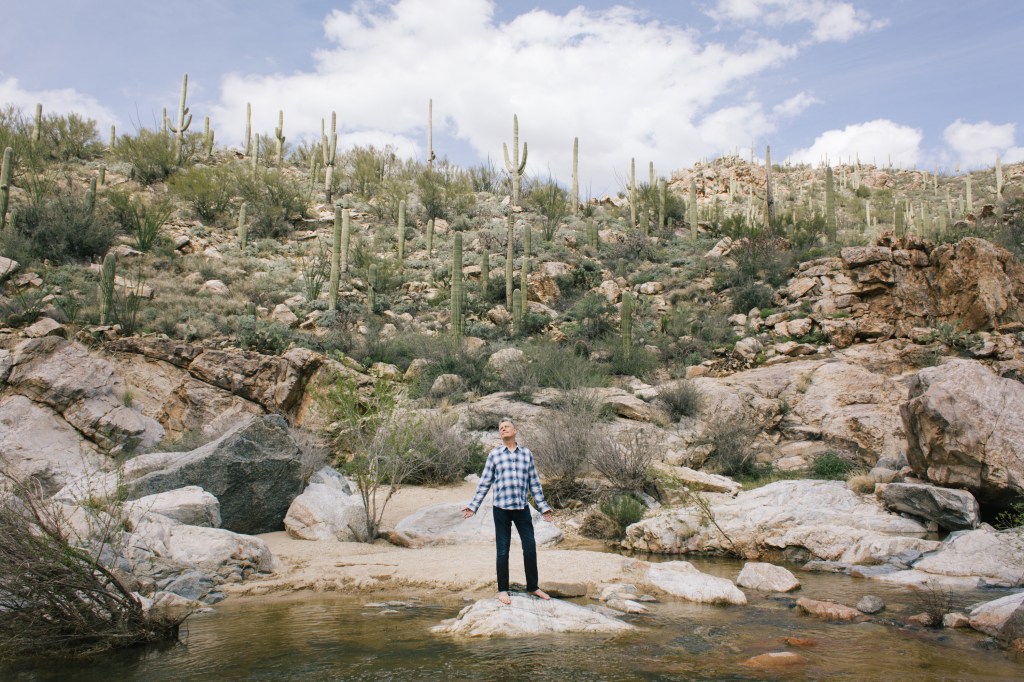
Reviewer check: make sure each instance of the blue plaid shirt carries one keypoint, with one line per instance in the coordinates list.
(511, 472)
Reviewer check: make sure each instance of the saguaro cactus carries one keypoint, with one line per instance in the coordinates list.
(999, 178)
(662, 204)
(430, 133)
(329, 149)
(593, 237)
(515, 165)
(254, 158)
(970, 196)
(830, 204)
(5, 185)
(248, 128)
(524, 268)
(90, 197)
(626, 323)
(102, 174)
(335, 258)
(430, 238)
(184, 119)
(113, 136)
(769, 198)
(107, 273)
(574, 197)
(458, 293)
(243, 226)
(279, 135)
(509, 262)
(485, 271)
(207, 137)
(517, 312)
(346, 230)
(37, 124)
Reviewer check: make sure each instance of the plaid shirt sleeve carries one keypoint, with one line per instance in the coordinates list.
(486, 479)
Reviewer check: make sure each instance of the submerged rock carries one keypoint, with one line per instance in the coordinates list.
(828, 610)
(528, 615)
(775, 659)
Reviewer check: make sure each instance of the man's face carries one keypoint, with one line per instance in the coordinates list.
(506, 430)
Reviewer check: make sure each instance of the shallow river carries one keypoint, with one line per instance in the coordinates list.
(311, 637)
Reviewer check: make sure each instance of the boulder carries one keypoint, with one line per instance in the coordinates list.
(766, 578)
(775, 659)
(706, 482)
(528, 615)
(190, 505)
(231, 557)
(283, 315)
(45, 326)
(681, 579)
(443, 524)
(325, 511)
(950, 509)
(994, 557)
(446, 385)
(965, 429)
(505, 358)
(869, 603)
(828, 610)
(1002, 618)
(8, 267)
(254, 470)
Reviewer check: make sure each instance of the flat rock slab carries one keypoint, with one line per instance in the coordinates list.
(681, 579)
(526, 616)
(828, 610)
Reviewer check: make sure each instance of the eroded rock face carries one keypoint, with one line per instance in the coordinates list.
(528, 615)
(442, 524)
(950, 509)
(254, 470)
(796, 519)
(965, 429)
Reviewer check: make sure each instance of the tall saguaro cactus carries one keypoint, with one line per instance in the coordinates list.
(207, 137)
(184, 119)
(5, 185)
(243, 226)
(248, 128)
(335, 258)
(401, 232)
(430, 238)
(37, 124)
(346, 231)
(662, 204)
(517, 312)
(574, 197)
(999, 178)
(515, 165)
(509, 262)
(458, 291)
(329, 149)
(279, 135)
(107, 273)
(831, 225)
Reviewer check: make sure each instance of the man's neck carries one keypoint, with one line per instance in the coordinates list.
(510, 443)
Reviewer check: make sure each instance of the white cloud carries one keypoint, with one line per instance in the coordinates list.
(564, 75)
(62, 101)
(976, 144)
(795, 105)
(876, 141)
(829, 20)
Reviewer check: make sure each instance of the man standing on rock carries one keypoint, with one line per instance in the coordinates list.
(510, 469)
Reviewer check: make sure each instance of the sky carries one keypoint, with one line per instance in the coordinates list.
(922, 83)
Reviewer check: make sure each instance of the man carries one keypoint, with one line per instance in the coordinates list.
(511, 470)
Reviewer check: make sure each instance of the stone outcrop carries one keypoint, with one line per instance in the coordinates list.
(975, 558)
(950, 509)
(254, 470)
(190, 505)
(1002, 618)
(965, 429)
(443, 524)
(528, 615)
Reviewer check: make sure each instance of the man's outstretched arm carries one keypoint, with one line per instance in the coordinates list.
(486, 480)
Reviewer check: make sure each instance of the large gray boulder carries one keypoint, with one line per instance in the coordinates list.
(327, 510)
(443, 524)
(528, 615)
(254, 470)
(1002, 618)
(965, 429)
(950, 509)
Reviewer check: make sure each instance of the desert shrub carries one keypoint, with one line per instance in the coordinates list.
(760, 258)
(624, 510)
(207, 189)
(557, 366)
(561, 442)
(24, 306)
(367, 168)
(751, 295)
(551, 200)
(594, 316)
(482, 420)
(634, 248)
(62, 226)
(447, 453)
(731, 438)
(626, 464)
(71, 137)
(63, 594)
(934, 599)
(830, 467)
(262, 336)
(681, 400)
(520, 379)
(865, 485)
(444, 191)
(316, 271)
(274, 200)
(151, 154)
(954, 336)
(1012, 516)
(146, 220)
(633, 362)
(315, 449)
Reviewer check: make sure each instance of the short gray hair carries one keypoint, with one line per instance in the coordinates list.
(505, 419)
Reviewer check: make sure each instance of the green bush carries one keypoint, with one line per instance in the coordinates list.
(1012, 516)
(551, 200)
(594, 316)
(558, 366)
(637, 362)
(151, 154)
(207, 189)
(262, 336)
(147, 219)
(624, 510)
(61, 226)
(71, 137)
(751, 295)
(731, 438)
(274, 199)
(682, 400)
(447, 453)
(830, 467)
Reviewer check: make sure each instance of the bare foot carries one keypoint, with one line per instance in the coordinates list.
(541, 594)
(504, 598)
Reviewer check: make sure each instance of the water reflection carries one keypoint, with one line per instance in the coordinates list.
(334, 637)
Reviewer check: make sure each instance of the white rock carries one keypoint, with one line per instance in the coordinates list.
(326, 512)
(215, 287)
(681, 579)
(766, 578)
(190, 505)
(213, 550)
(284, 315)
(992, 617)
(528, 616)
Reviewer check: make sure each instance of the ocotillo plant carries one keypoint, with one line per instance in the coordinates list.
(515, 165)
(632, 192)
(485, 272)
(430, 238)
(524, 268)
(692, 213)
(248, 128)
(574, 196)
(626, 323)
(279, 135)
(243, 225)
(430, 133)
(517, 312)
(371, 287)
(401, 232)
(5, 185)
(457, 288)
(509, 262)
(184, 119)
(329, 150)
(335, 257)
(830, 205)
(346, 221)
(106, 287)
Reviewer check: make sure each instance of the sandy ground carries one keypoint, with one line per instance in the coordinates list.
(326, 566)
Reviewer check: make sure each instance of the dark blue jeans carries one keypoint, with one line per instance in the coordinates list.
(503, 520)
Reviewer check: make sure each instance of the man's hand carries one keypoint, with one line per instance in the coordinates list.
(548, 516)
(466, 512)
